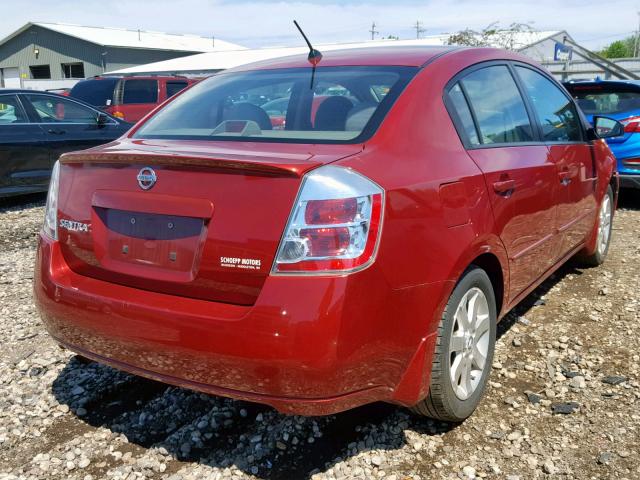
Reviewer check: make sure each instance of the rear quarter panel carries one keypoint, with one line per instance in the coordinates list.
(429, 237)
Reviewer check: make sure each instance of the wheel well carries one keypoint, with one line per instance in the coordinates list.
(491, 265)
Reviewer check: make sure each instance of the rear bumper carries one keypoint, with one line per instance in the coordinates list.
(629, 181)
(309, 345)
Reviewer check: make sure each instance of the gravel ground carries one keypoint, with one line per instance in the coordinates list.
(563, 399)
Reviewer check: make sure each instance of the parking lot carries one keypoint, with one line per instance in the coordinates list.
(563, 399)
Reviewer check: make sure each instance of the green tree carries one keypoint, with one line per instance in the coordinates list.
(624, 48)
(492, 35)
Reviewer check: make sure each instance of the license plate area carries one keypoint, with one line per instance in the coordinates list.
(166, 247)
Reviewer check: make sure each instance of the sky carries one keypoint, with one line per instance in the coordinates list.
(261, 23)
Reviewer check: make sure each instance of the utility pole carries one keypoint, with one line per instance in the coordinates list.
(373, 31)
(419, 29)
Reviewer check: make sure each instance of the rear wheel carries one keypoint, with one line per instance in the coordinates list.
(603, 236)
(464, 350)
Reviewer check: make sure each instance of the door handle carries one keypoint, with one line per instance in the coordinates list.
(565, 177)
(504, 187)
(56, 132)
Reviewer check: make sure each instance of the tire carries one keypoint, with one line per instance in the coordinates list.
(455, 390)
(603, 235)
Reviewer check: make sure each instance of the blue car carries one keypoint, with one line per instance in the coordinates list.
(619, 99)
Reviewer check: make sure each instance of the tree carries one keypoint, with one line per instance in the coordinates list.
(492, 35)
(624, 48)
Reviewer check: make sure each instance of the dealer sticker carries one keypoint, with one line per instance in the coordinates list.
(245, 263)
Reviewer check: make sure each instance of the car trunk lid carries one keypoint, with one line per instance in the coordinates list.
(195, 219)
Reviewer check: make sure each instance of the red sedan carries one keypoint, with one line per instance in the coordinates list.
(364, 252)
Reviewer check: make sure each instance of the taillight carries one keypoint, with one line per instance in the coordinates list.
(335, 224)
(50, 226)
(118, 114)
(631, 124)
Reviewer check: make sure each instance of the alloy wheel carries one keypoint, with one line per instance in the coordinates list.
(604, 228)
(469, 343)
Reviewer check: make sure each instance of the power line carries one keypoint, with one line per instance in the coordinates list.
(419, 29)
(373, 31)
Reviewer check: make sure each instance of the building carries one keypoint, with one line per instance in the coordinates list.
(52, 55)
(538, 45)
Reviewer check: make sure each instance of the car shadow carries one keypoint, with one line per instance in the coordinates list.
(536, 298)
(225, 433)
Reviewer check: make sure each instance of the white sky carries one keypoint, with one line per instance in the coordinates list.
(263, 23)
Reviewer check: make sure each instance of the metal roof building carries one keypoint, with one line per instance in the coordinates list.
(52, 55)
(537, 45)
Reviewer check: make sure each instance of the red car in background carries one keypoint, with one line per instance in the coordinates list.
(362, 252)
(129, 98)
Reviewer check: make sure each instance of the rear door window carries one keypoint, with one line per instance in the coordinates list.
(175, 87)
(140, 91)
(461, 107)
(60, 110)
(11, 111)
(556, 112)
(498, 106)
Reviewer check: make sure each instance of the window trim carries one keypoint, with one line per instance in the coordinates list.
(47, 65)
(533, 117)
(450, 108)
(71, 65)
(21, 106)
(562, 90)
(122, 85)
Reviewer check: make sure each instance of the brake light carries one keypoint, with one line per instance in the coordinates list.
(335, 224)
(50, 226)
(631, 124)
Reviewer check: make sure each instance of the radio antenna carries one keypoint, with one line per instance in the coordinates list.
(314, 55)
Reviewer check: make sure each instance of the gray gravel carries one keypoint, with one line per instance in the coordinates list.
(563, 398)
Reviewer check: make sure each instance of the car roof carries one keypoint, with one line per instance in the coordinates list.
(409, 56)
(606, 83)
(25, 90)
(136, 77)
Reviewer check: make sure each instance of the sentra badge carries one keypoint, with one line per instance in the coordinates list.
(74, 226)
(146, 178)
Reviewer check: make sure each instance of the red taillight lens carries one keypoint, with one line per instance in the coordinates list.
(321, 212)
(326, 242)
(335, 225)
(631, 124)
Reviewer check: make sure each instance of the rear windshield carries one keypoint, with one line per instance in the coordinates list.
(334, 105)
(98, 93)
(595, 100)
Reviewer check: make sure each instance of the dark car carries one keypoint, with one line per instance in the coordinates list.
(128, 98)
(619, 99)
(37, 127)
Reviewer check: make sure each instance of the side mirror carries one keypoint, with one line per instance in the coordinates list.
(605, 127)
(102, 119)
